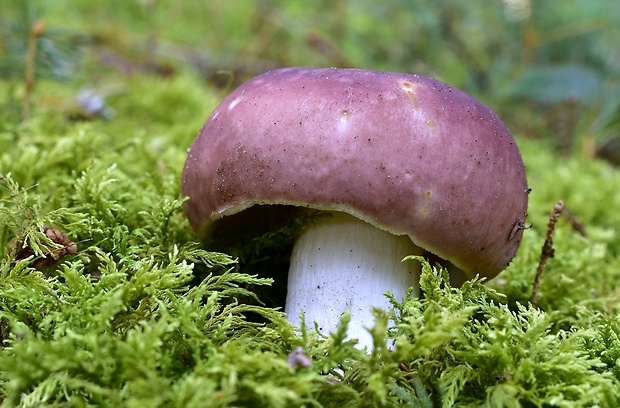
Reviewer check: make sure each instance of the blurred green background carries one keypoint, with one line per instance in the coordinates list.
(549, 68)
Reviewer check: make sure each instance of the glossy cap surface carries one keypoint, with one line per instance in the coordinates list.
(406, 153)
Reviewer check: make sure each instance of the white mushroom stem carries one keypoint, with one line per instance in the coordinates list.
(343, 263)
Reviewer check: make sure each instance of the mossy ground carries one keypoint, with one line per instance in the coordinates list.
(144, 314)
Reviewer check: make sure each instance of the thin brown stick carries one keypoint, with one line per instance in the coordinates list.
(15, 194)
(575, 223)
(547, 250)
(31, 56)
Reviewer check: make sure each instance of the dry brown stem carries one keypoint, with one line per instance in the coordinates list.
(547, 250)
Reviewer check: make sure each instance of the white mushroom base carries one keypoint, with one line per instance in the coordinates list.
(343, 263)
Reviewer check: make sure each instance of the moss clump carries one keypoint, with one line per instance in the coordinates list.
(144, 314)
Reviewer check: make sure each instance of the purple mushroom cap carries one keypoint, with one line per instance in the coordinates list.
(408, 154)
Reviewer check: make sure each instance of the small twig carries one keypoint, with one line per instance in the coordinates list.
(15, 194)
(55, 296)
(66, 249)
(36, 31)
(547, 250)
(574, 222)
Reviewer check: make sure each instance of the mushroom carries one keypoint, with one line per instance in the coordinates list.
(405, 164)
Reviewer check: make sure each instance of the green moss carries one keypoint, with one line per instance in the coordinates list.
(144, 314)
